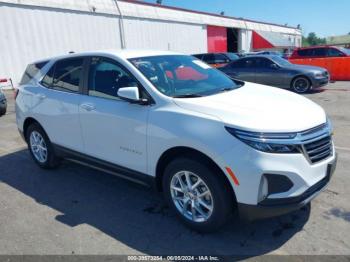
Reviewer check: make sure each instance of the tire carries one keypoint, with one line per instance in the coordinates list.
(3, 112)
(301, 85)
(219, 198)
(38, 141)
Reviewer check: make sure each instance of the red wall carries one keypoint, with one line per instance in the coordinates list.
(217, 39)
(259, 42)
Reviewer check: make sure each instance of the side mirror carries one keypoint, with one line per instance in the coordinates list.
(130, 94)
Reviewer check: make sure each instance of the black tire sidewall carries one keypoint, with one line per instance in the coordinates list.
(223, 202)
(306, 79)
(51, 161)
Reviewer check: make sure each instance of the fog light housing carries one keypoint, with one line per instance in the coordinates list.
(263, 189)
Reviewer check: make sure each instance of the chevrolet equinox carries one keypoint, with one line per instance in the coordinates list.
(210, 143)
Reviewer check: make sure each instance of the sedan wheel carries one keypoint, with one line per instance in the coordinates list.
(301, 85)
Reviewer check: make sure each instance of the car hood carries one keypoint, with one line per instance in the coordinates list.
(259, 108)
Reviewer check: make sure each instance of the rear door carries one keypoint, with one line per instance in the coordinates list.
(243, 69)
(56, 100)
(114, 130)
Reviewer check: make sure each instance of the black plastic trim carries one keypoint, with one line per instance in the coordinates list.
(278, 183)
(117, 170)
(276, 207)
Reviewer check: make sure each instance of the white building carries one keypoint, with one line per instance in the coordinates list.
(35, 29)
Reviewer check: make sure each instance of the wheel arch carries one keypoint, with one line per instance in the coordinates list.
(29, 121)
(191, 153)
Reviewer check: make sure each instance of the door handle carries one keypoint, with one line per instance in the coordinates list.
(41, 96)
(88, 107)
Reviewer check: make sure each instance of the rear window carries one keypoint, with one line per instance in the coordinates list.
(67, 75)
(31, 71)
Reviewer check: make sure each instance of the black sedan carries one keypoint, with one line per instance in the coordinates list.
(276, 71)
(3, 103)
(217, 59)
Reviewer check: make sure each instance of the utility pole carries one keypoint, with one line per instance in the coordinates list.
(121, 26)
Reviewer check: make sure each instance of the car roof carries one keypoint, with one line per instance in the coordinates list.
(259, 56)
(313, 47)
(122, 53)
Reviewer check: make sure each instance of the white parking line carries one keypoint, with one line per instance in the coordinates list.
(343, 148)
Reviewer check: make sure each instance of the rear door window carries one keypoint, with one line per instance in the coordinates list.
(68, 75)
(263, 63)
(305, 52)
(220, 58)
(31, 71)
(319, 52)
(243, 63)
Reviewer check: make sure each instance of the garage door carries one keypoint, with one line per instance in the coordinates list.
(217, 39)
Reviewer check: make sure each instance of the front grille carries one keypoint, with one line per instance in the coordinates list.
(318, 150)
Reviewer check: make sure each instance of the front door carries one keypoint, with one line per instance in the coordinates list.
(113, 130)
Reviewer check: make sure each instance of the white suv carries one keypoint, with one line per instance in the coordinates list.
(210, 143)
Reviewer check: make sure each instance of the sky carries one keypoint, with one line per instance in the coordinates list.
(324, 17)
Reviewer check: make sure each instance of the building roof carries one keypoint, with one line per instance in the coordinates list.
(139, 9)
(338, 40)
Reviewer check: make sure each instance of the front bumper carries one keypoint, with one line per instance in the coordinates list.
(319, 82)
(279, 206)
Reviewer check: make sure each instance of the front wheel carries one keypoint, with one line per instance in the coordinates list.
(199, 196)
(301, 85)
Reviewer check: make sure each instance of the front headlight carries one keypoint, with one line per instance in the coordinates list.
(266, 142)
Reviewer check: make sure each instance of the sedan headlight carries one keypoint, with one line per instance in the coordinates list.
(266, 142)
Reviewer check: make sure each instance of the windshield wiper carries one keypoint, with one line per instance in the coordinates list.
(187, 96)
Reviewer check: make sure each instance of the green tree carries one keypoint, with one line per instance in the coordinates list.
(312, 39)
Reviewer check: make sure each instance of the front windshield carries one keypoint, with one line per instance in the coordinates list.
(345, 50)
(281, 61)
(183, 76)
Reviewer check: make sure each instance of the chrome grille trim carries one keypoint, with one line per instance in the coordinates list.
(318, 150)
(314, 143)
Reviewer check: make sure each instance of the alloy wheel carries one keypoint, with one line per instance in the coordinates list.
(38, 146)
(191, 196)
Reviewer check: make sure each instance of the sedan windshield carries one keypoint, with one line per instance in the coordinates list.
(183, 76)
(280, 61)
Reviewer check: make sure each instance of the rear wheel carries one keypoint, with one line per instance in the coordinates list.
(199, 196)
(40, 147)
(301, 85)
